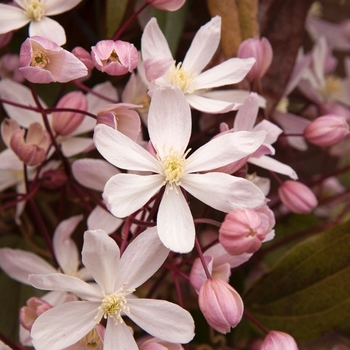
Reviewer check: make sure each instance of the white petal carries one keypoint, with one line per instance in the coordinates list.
(224, 149)
(54, 7)
(106, 89)
(141, 259)
(72, 146)
(273, 165)
(19, 264)
(164, 320)
(125, 193)
(203, 47)
(99, 218)
(175, 222)
(64, 325)
(247, 114)
(93, 173)
(229, 72)
(87, 125)
(169, 120)
(273, 131)
(100, 255)
(12, 18)
(121, 151)
(118, 334)
(65, 283)
(65, 249)
(222, 191)
(49, 29)
(209, 105)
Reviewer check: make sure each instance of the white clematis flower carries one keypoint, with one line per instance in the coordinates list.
(117, 277)
(169, 127)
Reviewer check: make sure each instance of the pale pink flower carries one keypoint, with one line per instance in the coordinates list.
(166, 5)
(84, 57)
(276, 340)
(116, 278)
(29, 313)
(35, 12)
(114, 57)
(162, 70)
(43, 61)
(151, 343)
(169, 127)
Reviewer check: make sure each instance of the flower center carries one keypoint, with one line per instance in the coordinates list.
(332, 85)
(283, 104)
(35, 9)
(39, 59)
(179, 77)
(113, 57)
(92, 341)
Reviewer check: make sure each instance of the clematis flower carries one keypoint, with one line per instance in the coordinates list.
(166, 5)
(161, 69)
(169, 126)
(43, 61)
(116, 277)
(35, 12)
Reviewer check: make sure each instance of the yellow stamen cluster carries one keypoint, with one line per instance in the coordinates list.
(35, 9)
(331, 86)
(283, 104)
(92, 341)
(113, 57)
(39, 59)
(177, 76)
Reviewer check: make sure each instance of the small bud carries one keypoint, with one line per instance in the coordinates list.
(327, 130)
(261, 50)
(84, 57)
(166, 5)
(220, 304)
(277, 341)
(28, 314)
(53, 179)
(297, 197)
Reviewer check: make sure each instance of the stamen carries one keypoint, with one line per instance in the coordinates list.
(92, 341)
(39, 59)
(331, 86)
(35, 9)
(113, 57)
(179, 77)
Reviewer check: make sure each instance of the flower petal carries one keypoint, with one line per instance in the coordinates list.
(164, 320)
(141, 259)
(64, 325)
(228, 72)
(175, 222)
(222, 191)
(118, 334)
(224, 149)
(54, 7)
(72, 146)
(169, 124)
(12, 18)
(210, 105)
(48, 28)
(101, 255)
(125, 193)
(99, 218)
(121, 151)
(247, 114)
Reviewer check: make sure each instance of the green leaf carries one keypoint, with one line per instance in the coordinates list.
(115, 11)
(307, 292)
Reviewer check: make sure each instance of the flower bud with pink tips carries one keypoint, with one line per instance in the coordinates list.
(244, 230)
(166, 5)
(220, 304)
(276, 340)
(297, 197)
(261, 50)
(114, 57)
(84, 57)
(28, 314)
(327, 130)
(43, 61)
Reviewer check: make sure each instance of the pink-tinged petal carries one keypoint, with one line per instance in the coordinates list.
(118, 334)
(65, 249)
(224, 149)
(64, 325)
(169, 321)
(228, 72)
(273, 131)
(198, 275)
(7, 179)
(273, 165)
(65, 283)
(100, 255)
(209, 105)
(9, 161)
(222, 191)
(156, 67)
(121, 151)
(48, 28)
(169, 124)
(153, 42)
(247, 114)
(99, 218)
(106, 89)
(12, 18)
(54, 7)
(135, 267)
(203, 47)
(93, 173)
(125, 193)
(74, 145)
(19, 264)
(175, 222)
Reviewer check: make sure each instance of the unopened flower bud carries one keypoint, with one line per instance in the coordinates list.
(28, 314)
(166, 5)
(261, 50)
(64, 123)
(327, 130)
(53, 179)
(84, 57)
(297, 197)
(114, 57)
(220, 304)
(277, 341)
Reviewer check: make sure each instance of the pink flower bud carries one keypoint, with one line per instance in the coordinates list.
(327, 130)
(220, 304)
(64, 123)
(166, 5)
(53, 179)
(261, 50)
(151, 343)
(277, 341)
(28, 314)
(84, 57)
(244, 230)
(297, 197)
(114, 57)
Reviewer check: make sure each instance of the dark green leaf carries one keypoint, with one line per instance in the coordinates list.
(114, 15)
